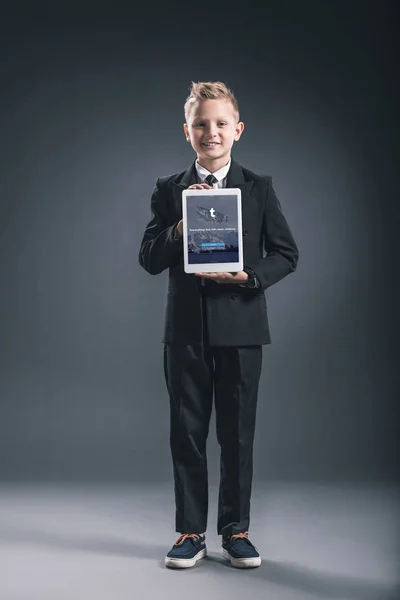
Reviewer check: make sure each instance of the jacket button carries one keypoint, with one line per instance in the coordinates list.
(245, 231)
(234, 296)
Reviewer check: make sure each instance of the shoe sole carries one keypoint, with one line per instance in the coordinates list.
(241, 563)
(185, 563)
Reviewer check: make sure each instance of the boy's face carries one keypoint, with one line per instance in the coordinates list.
(212, 128)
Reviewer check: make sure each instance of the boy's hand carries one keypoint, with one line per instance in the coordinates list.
(239, 277)
(200, 186)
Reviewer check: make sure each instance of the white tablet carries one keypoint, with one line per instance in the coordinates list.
(212, 230)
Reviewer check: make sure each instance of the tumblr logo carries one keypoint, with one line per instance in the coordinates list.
(212, 212)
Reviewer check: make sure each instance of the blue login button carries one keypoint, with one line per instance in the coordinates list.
(213, 244)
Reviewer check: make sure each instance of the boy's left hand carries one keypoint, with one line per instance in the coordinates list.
(239, 277)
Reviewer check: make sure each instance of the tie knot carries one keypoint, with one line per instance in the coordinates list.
(210, 179)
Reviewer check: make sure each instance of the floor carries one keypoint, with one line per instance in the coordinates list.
(108, 541)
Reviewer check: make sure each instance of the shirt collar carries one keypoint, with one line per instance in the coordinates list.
(202, 172)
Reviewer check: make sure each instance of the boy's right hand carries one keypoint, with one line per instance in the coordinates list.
(200, 186)
(195, 186)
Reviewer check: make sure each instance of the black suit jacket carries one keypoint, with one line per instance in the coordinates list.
(236, 316)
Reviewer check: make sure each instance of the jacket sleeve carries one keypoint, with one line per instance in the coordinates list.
(281, 251)
(161, 247)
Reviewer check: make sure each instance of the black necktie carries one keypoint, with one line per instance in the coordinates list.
(210, 179)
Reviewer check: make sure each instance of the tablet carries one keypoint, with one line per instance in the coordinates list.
(212, 230)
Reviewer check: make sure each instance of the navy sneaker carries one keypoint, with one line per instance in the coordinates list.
(240, 551)
(187, 550)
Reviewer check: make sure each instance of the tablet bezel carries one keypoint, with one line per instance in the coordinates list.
(214, 267)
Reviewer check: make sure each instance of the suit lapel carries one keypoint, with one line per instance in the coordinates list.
(188, 179)
(236, 179)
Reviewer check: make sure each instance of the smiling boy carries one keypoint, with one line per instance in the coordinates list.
(213, 128)
(215, 327)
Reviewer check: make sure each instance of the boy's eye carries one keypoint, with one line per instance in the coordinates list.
(222, 123)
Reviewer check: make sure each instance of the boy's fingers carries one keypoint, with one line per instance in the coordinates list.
(216, 276)
(200, 186)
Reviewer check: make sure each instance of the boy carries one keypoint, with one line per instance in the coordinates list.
(215, 326)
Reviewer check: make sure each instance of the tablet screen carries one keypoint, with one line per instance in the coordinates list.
(212, 227)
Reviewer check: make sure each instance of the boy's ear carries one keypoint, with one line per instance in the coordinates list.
(186, 130)
(238, 130)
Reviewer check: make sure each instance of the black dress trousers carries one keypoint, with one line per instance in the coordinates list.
(195, 375)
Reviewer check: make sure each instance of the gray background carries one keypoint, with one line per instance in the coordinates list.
(91, 114)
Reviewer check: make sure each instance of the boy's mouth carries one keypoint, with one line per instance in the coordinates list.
(210, 144)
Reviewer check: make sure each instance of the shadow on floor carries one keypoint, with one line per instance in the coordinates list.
(303, 579)
(293, 576)
(97, 545)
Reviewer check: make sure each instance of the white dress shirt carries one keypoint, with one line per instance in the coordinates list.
(221, 174)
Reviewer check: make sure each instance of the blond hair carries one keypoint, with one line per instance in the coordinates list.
(210, 90)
